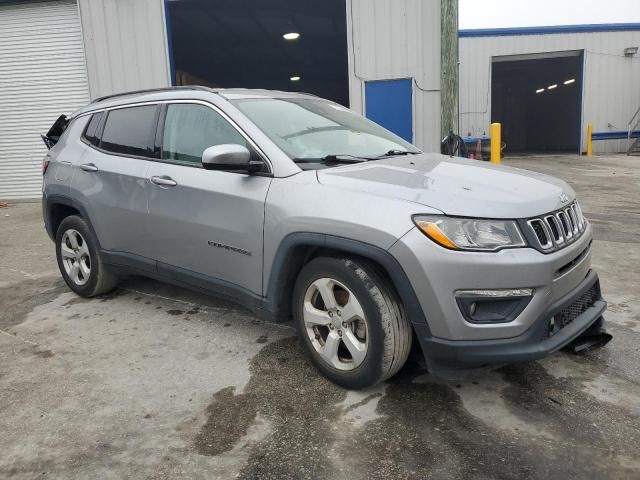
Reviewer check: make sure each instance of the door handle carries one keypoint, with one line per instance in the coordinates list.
(164, 181)
(89, 167)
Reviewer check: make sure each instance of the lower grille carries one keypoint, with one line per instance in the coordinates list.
(568, 314)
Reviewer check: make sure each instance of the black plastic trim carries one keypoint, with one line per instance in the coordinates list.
(449, 355)
(517, 305)
(216, 287)
(283, 265)
(129, 261)
(50, 201)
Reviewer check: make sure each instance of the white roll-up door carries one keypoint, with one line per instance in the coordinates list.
(42, 75)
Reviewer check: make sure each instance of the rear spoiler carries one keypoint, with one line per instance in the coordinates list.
(55, 132)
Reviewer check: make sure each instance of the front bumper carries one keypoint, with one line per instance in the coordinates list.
(437, 274)
(449, 355)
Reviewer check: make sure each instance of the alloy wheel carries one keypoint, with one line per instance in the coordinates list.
(75, 257)
(335, 323)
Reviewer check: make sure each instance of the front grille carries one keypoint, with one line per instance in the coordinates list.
(541, 234)
(558, 229)
(568, 314)
(553, 224)
(565, 224)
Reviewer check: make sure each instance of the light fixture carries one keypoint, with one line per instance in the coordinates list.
(570, 81)
(291, 36)
(540, 90)
(630, 51)
(295, 78)
(551, 87)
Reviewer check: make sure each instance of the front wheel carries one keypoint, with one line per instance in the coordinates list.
(350, 322)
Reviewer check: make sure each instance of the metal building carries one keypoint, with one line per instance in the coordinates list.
(546, 84)
(381, 57)
(42, 73)
(399, 40)
(57, 55)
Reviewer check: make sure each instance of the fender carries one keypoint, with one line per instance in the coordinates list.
(284, 269)
(48, 202)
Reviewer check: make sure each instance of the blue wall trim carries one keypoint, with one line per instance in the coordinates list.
(475, 139)
(503, 32)
(167, 20)
(615, 135)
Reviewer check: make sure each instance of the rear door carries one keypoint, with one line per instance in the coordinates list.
(110, 178)
(206, 224)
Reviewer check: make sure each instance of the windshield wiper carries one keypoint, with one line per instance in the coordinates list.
(333, 159)
(396, 153)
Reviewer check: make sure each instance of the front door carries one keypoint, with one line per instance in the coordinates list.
(207, 225)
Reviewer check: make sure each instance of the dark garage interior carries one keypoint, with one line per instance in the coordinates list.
(240, 43)
(537, 117)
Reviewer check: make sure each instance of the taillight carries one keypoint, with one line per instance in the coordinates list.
(45, 164)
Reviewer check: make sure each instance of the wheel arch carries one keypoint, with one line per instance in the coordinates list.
(297, 249)
(57, 208)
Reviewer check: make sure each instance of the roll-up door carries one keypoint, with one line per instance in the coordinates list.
(42, 75)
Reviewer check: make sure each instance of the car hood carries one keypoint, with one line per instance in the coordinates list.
(459, 187)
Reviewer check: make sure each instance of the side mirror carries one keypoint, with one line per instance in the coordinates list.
(235, 158)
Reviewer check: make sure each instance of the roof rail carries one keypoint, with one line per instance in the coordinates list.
(152, 90)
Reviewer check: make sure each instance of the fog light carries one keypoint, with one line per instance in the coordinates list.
(493, 306)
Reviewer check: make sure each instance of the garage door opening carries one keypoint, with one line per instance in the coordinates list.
(538, 101)
(241, 43)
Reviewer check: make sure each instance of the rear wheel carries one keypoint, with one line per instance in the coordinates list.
(350, 322)
(79, 259)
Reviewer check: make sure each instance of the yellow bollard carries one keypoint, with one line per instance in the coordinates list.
(496, 142)
(589, 140)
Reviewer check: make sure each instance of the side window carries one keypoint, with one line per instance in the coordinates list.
(189, 129)
(130, 131)
(91, 132)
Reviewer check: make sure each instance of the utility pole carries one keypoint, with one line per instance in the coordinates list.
(448, 66)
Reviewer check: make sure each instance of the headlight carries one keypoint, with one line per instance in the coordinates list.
(469, 233)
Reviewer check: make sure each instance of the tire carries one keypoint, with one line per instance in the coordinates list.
(80, 263)
(381, 346)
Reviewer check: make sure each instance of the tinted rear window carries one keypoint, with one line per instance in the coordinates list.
(130, 131)
(91, 132)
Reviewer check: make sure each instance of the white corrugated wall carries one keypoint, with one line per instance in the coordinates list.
(126, 45)
(390, 39)
(42, 75)
(611, 81)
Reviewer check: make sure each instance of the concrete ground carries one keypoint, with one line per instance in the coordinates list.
(154, 382)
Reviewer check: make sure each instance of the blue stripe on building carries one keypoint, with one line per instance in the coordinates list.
(615, 135)
(590, 28)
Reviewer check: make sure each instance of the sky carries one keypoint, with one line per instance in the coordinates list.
(527, 13)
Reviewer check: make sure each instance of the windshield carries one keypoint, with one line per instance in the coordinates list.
(313, 131)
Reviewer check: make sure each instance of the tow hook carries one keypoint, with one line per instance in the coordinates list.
(594, 337)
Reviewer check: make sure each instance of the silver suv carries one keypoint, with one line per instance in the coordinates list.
(295, 206)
